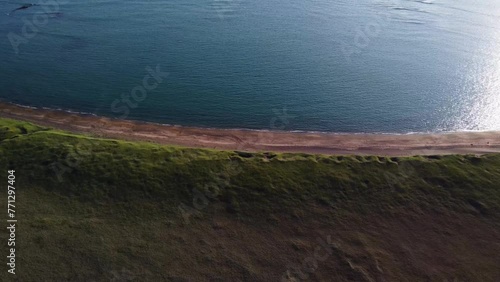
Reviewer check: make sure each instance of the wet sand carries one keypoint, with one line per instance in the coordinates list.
(252, 141)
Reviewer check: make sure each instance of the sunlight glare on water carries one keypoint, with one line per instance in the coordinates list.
(480, 103)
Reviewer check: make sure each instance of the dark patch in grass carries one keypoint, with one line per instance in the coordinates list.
(482, 208)
(270, 156)
(434, 157)
(244, 154)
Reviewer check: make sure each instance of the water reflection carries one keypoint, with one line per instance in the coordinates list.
(480, 104)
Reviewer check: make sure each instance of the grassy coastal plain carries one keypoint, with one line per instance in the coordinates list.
(97, 209)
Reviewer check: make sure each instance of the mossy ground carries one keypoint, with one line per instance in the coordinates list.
(99, 209)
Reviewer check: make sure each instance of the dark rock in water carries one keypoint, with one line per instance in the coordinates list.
(23, 7)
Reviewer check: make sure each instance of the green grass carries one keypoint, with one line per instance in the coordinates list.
(72, 187)
(11, 128)
(98, 170)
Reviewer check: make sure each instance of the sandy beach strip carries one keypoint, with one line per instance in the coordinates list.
(253, 141)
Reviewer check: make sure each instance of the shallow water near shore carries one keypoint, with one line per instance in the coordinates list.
(337, 66)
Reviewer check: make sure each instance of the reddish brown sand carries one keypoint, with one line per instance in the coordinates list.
(247, 140)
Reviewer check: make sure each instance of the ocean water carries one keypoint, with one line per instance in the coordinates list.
(393, 66)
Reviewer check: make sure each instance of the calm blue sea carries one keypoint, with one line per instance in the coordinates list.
(394, 66)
